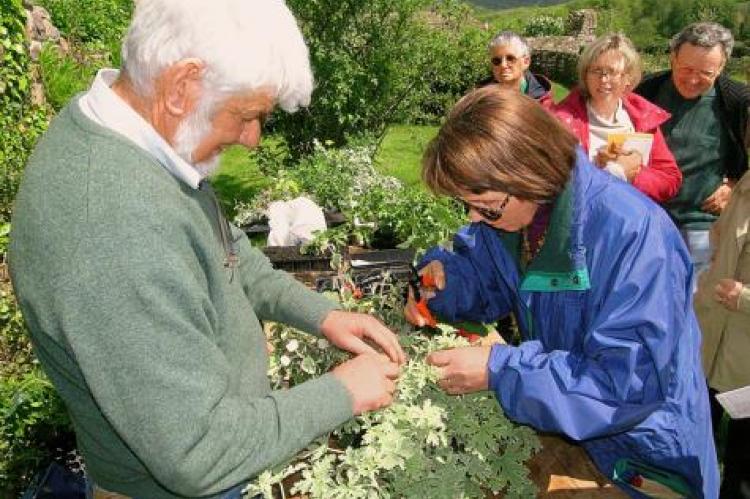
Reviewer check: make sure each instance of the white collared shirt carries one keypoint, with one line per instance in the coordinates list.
(104, 107)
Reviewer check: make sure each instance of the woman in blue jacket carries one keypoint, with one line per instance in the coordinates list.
(598, 280)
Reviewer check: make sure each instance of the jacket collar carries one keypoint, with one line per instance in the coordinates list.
(644, 115)
(561, 263)
(538, 85)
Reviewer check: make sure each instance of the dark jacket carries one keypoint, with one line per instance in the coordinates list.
(538, 87)
(611, 350)
(734, 99)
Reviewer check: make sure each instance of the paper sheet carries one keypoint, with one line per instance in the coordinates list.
(736, 402)
(640, 142)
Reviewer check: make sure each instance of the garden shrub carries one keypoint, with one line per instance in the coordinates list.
(33, 421)
(86, 21)
(65, 75)
(34, 427)
(20, 122)
(455, 60)
(379, 210)
(376, 62)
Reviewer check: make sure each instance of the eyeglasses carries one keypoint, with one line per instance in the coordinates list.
(600, 73)
(498, 60)
(487, 213)
(702, 74)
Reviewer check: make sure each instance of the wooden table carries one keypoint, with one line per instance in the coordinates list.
(563, 470)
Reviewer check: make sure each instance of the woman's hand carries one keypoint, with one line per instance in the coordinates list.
(605, 154)
(433, 274)
(631, 162)
(728, 293)
(462, 370)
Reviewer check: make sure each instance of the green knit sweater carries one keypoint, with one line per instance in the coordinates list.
(154, 344)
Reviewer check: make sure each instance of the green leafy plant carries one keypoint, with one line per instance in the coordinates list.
(379, 210)
(426, 444)
(86, 21)
(20, 122)
(33, 424)
(65, 75)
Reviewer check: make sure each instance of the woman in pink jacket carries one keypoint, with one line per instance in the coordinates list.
(603, 105)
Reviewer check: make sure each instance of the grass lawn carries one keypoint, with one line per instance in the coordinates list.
(400, 153)
(238, 178)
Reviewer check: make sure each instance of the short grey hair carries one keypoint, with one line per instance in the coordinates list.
(244, 45)
(704, 34)
(510, 38)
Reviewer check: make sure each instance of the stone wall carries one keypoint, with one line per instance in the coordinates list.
(40, 30)
(557, 56)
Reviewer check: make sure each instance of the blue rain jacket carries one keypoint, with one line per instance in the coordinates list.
(611, 350)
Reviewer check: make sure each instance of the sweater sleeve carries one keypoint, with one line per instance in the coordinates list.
(475, 290)
(144, 330)
(277, 296)
(662, 178)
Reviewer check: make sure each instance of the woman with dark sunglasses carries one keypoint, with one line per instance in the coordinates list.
(510, 58)
(599, 283)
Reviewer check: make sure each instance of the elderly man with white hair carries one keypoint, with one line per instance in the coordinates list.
(143, 303)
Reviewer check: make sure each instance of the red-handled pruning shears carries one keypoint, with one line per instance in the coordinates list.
(416, 282)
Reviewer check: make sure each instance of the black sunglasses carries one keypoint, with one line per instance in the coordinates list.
(497, 60)
(488, 214)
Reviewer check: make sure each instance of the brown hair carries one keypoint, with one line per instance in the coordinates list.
(498, 140)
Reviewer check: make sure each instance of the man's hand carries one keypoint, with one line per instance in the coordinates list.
(716, 202)
(370, 380)
(463, 370)
(434, 272)
(728, 293)
(348, 330)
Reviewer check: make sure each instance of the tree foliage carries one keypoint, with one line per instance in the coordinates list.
(381, 61)
(651, 23)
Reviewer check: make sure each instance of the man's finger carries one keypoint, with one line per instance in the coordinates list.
(390, 386)
(386, 339)
(356, 346)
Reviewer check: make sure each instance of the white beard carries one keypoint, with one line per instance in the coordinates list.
(208, 167)
(190, 133)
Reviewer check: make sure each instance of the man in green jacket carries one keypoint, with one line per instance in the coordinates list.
(707, 132)
(143, 303)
